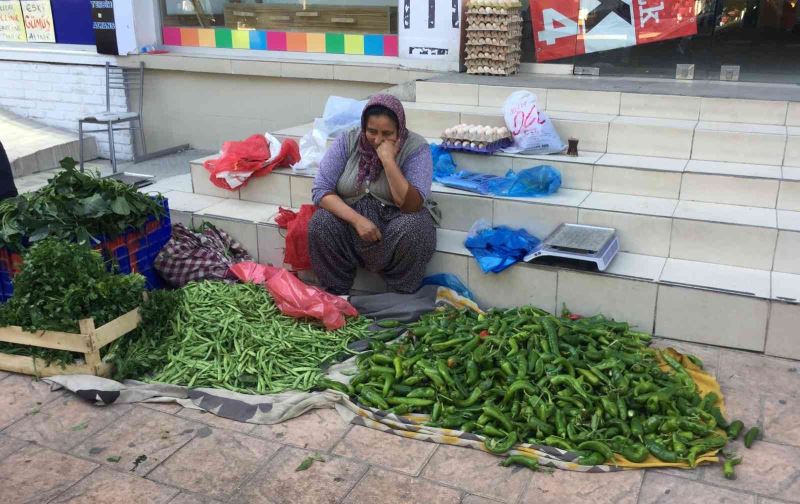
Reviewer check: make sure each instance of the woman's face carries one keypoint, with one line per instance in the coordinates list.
(379, 129)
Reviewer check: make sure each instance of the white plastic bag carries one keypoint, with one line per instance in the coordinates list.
(312, 148)
(341, 114)
(532, 129)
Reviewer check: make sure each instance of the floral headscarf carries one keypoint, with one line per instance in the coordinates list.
(369, 165)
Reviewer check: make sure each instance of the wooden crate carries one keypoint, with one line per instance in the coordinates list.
(88, 342)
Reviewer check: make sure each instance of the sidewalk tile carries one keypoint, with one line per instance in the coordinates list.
(9, 445)
(318, 429)
(65, 422)
(280, 483)
(389, 487)
(668, 490)
(36, 474)
(22, 395)
(690, 474)
(187, 498)
(567, 486)
(214, 465)
(215, 420)
(742, 404)
(782, 419)
(384, 449)
(105, 486)
(474, 499)
(756, 372)
(476, 472)
(143, 432)
(3, 374)
(767, 469)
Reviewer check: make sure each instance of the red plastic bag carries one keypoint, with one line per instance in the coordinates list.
(296, 225)
(256, 156)
(295, 298)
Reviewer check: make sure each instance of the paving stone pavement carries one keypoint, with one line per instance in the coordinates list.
(57, 448)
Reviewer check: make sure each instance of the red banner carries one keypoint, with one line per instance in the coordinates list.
(565, 28)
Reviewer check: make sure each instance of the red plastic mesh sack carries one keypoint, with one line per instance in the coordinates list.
(256, 156)
(296, 225)
(295, 298)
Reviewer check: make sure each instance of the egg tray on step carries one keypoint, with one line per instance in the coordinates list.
(489, 148)
(496, 71)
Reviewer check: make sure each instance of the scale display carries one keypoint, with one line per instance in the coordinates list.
(598, 245)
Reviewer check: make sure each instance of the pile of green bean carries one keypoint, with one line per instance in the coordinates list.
(591, 386)
(233, 336)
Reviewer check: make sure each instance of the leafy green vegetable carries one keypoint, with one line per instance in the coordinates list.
(74, 206)
(60, 284)
(309, 461)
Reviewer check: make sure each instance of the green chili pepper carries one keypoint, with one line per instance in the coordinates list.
(636, 427)
(734, 429)
(635, 452)
(492, 431)
(728, 465)
(499, 447)
(389, 324)
(411, 401)
(472, 399)
(422, 393)
(661, 453)
(374, 398)
(495, 414)
(599, 447)
(529, 462)
(751, 436)
(591, 459)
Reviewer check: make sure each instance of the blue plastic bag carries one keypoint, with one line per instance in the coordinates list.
(443, 164)
(451, 282)
(528, 183)
(498, 248)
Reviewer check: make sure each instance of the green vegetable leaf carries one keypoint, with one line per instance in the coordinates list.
(120, 206)
(114, 459)
(79, 427)
(309, 461)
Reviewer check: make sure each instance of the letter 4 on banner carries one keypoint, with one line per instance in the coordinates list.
(565, 28)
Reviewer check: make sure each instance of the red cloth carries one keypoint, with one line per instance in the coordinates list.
(295, 298)
(296, 253)
(256, 156)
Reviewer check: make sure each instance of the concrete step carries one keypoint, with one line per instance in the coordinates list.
(734, 235)
(693, 108)
(767, 186)
(642, 136)
(687, 300)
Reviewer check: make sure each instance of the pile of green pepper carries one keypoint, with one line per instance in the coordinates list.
(591, 386)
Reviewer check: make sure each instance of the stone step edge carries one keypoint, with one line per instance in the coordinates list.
(583, 195)
(583, 160)
(461, 251)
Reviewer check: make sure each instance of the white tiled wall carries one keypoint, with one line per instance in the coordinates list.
(640, 234)
(518, 285)
(738, 147)
(272, 188)
(301, 191)
(650, 137)
(730, 190)
(620, 299)
(710, 317)
(244, 232)
(783, 337)
(458, 265)
(271, 246)
(202, 185)
(539, 220)
(461, 212)
(787, 252)
(659, 184)
(745, 246)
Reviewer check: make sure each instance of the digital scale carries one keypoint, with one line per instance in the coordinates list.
(578, 242)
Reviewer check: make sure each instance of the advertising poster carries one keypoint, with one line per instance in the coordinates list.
(566, 28)
(429, 29)
(12, 23)
(38, 21)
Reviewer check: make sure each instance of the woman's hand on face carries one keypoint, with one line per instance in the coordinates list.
(387, 151)
(367, 230)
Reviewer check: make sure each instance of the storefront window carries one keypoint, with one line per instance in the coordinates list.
(326, 26)
(357, 16)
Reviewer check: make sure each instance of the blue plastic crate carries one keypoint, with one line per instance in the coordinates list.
(120, 258)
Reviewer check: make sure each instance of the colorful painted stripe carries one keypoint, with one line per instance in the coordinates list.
(330, 43)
